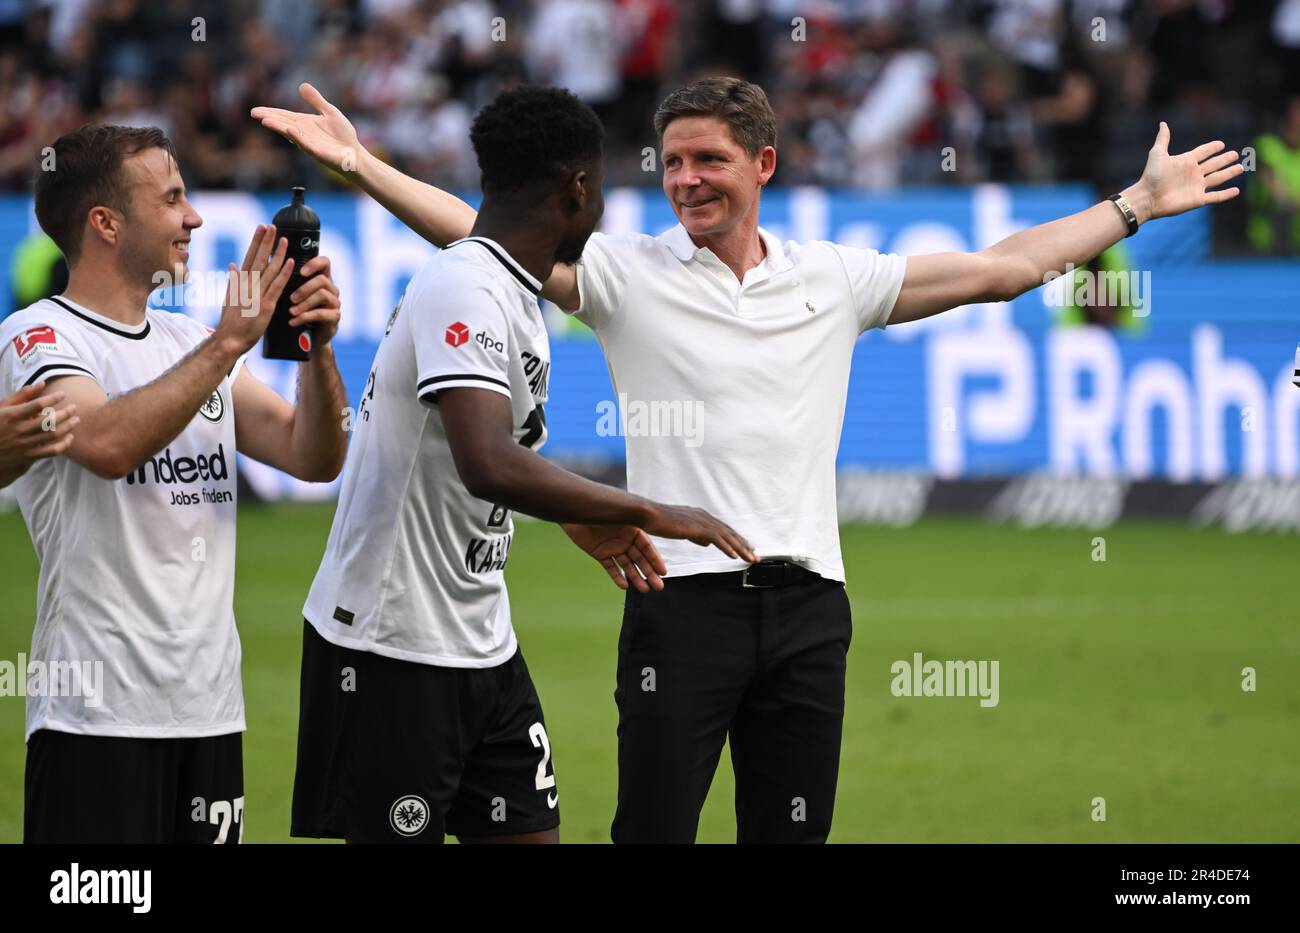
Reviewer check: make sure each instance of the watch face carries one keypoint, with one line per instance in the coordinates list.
(1126, 210)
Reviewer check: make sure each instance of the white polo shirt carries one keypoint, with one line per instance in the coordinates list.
(732, 393)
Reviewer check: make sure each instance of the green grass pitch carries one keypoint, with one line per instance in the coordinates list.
(1120, 680)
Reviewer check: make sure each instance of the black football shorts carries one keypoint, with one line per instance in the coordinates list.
(107, 789)
(397, 751)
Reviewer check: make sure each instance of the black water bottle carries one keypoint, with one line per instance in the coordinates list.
(299, 224)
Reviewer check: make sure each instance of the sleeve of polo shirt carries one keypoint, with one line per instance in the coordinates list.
(34, 350)
(875, 279)
(461, 335)
(602, 280)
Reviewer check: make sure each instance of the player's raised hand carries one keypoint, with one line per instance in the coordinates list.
(1173, 184)
(326, 135)
(626, 552)
(253, 289)
(31, 427)
(698, 527)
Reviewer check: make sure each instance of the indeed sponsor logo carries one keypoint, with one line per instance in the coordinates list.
(165, 469)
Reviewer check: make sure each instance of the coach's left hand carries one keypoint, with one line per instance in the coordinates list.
(316, 301)
(1174, 184)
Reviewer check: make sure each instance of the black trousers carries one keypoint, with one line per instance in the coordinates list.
(706, 659)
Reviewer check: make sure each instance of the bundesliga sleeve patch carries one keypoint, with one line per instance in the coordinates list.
(41, 339)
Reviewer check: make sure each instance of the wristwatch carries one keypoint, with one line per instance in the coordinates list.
(1126, 209)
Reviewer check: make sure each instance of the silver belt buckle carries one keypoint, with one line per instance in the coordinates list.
(745, 584)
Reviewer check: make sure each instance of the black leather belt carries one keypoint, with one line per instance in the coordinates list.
(770, 573)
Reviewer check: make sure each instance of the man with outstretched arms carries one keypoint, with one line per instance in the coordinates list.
(761, 333)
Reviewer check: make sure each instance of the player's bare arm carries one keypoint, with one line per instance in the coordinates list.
(114, 437)
(33, 427)
(495, 468)
(438, 216)
(306, 440)
(1170, 184)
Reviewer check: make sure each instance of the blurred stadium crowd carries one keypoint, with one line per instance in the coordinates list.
(868, 92)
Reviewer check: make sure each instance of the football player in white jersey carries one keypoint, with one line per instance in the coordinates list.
(418, 715)
(762, 332)
(135, 733)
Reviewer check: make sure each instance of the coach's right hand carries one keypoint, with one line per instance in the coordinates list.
(698, 527)
(327, 136)
(253, 289)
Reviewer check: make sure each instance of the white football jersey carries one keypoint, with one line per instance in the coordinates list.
(137, 574)
(414, 565)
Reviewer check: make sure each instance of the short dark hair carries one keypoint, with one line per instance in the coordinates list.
(87, 173)
(532, 136)
(740, 104)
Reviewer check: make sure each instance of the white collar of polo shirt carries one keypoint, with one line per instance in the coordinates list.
(681, 245)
